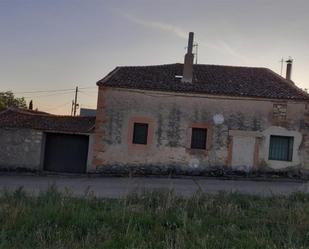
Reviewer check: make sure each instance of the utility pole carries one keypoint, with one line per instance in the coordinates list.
(75, 101)
(72, 108)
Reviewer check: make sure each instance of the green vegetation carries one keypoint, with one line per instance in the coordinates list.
(153, 220)
(7, 99)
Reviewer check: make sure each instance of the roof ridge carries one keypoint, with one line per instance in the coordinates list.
(42, 114)
(30, 112)
(178, 63)
(230, 66)
(157, 65)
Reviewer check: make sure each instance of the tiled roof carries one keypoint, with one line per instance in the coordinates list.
(18, 118)
(207, 79)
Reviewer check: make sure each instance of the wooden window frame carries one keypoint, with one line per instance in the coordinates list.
(194, 144)
(209, 131)
(136, 139)
(150, 133)
(290, 139)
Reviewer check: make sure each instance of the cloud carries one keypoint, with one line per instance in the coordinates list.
(220, 46)
(223, 47)
(158, 25)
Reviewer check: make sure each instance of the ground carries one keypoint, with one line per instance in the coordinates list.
(157, 220)
(116, 187)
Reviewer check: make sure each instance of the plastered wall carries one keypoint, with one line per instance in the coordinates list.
(173, 115)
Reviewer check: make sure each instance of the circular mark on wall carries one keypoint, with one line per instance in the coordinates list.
(194, 163)
(218, 119)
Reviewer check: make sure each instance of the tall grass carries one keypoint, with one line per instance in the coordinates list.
(153, 220)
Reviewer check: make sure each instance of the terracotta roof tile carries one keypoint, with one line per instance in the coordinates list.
(207, 79)
(18, 118)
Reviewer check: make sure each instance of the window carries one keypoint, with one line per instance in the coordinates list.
(140, 133)
(198, 138)
(281, 148)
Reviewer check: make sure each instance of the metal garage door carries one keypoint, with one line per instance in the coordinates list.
(66, 153)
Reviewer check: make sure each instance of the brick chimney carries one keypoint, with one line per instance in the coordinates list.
(289, 68)
(188, 64)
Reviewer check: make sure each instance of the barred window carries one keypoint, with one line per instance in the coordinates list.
(198, 138)
(281, 148)
(140, 133)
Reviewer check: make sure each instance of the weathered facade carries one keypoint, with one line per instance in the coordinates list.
(187, 118)
(20, 148)
(240, 140)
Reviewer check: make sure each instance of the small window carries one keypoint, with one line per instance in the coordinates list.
(140, 133)
(198, 138)
(281, 148)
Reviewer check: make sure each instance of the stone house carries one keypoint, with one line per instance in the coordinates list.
(38, 141)
(194, 118)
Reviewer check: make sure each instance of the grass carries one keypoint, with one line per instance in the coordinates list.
(153, 220)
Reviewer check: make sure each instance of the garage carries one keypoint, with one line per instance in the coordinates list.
(66, 153)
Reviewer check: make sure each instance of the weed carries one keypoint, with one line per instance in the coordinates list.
(152, 220)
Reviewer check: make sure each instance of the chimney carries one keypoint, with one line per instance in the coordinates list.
(289, 68)
(188, 64)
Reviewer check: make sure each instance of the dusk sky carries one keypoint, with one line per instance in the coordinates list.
(47, 45)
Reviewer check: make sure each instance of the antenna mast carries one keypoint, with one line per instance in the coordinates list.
(281, 61)
(196, 51)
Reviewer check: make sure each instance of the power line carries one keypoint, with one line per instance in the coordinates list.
(48, 95)
(57, 92)
(45, 91)
(88, 106)
(87, 94)
(52, 90)
(90, 87)
(57, 107)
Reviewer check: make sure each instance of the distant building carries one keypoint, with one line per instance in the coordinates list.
(85, 112)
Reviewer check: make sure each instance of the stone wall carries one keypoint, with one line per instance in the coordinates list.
(20, 149)
(173, 115)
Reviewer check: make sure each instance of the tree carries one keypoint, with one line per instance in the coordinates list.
(7, 99)
(31, 105)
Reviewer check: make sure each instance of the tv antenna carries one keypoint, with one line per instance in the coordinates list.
(281, 61)
(195, 45)
(196, 51)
